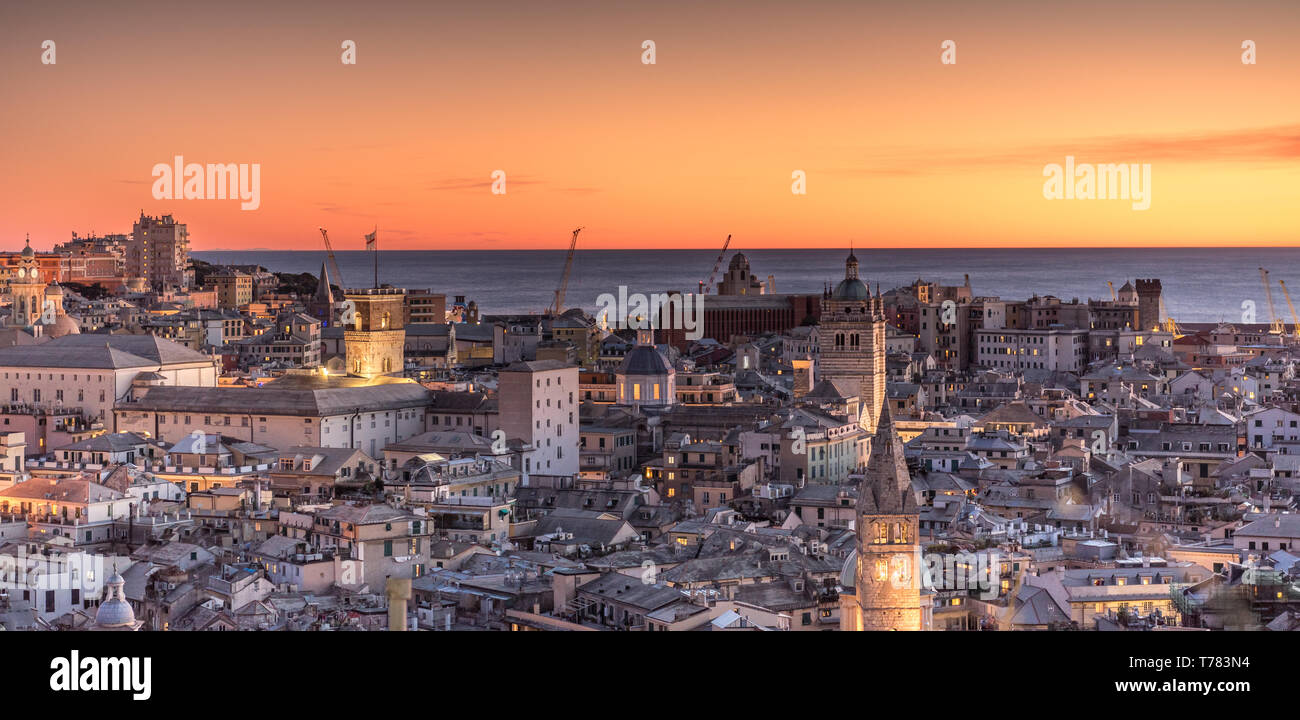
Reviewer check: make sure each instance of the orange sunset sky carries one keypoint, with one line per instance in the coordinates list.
(899, 149)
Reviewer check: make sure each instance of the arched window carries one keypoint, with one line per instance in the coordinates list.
(383, 323)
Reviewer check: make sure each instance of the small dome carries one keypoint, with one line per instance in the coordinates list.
(739, 261)
(54, 289)
(849, 571)
(115, 612)
(28, 252)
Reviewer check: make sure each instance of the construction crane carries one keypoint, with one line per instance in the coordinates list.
(707, 286)
(1111, 285)
(1275, 327)
(329, 252)
(557, 306)
(1295, 320)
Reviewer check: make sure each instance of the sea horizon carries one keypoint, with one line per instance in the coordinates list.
(1200, 284)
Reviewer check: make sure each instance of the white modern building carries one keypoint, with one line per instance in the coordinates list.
(538, 403)
(1060, 349)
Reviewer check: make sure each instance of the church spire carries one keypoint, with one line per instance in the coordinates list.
(324, 293)
(887, 485)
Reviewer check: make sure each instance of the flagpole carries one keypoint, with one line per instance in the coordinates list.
(375, 234)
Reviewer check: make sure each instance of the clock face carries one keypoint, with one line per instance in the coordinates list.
(22, 272)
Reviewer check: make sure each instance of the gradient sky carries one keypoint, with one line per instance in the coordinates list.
(899, 150)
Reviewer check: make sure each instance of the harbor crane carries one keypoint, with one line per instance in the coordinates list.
(557, 306)
(707, 286)
(1111, 285)
(329, 253)
(1295, 319)
(1275, 325)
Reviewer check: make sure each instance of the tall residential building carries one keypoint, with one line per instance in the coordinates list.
(159, 252)
(887, 571)
(851, 337)
(538, 403)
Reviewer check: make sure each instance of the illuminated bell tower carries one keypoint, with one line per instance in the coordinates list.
(373, 332)
(27, 290)
(888, 589)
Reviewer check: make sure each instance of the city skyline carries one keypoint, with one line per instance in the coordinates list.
(898, 149)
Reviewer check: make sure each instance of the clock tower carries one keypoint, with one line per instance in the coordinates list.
(888, 579)
(27, 290)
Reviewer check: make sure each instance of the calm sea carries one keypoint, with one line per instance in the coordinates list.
(1200, 284)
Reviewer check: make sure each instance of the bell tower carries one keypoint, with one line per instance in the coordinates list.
(373, 332)
(851, 341)
(888, 587)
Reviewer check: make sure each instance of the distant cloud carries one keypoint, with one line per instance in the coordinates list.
(1260, 145)
(343, 210)
(481, 183)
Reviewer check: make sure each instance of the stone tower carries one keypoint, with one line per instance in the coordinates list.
(373, 332)
(888, 585)
(851, 340)
(27, 289)
(1151, 304)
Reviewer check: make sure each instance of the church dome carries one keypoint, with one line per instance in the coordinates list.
(62, 325)
(644, 360)
(28, 252)
(53, 289)
(851, 289)
(115, 612)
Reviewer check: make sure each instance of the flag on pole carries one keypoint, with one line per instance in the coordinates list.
(370, 240)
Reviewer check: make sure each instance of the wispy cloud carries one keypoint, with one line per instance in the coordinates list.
(481, 183)
(1277, 144)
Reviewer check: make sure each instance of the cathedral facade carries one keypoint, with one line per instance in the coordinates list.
(851, 340)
